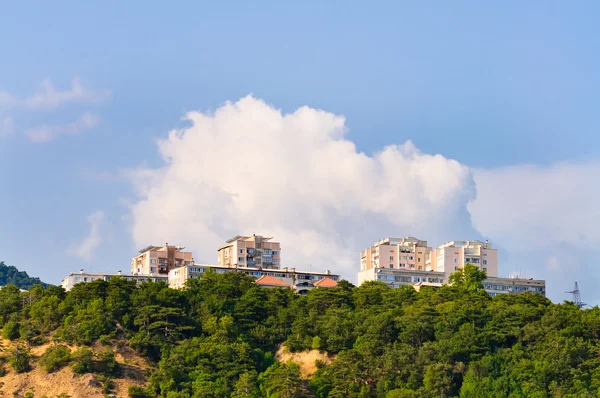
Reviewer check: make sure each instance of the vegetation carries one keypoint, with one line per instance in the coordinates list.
(218, 338)
(10, 275)
(55, 357)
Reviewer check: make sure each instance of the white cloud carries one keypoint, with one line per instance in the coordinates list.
(6, 126)
(47, 133)
(547, 219)
(49, 97)
(87, 247)
(527, 206)
(248, 168)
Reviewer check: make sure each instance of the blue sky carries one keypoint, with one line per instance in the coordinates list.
(495, 87)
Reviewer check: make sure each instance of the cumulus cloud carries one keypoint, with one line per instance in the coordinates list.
(47, 133)
(49, 97)
(250, 168)
(546, 217)
(87, 247)
(533, 206)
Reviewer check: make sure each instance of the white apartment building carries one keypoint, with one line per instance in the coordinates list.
(452, 256)
(492, 285)
(83, 277)
(250, 251)
(300, 281)
(398, 253)
(160, 259)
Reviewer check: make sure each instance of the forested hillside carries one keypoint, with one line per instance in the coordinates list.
(218, 338)
(10, 275)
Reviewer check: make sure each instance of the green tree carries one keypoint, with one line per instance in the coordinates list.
(282, 381)
(10, 330)
(246, 386)
(82, 361)
(55, 357)
(19, 359)
(469, 277)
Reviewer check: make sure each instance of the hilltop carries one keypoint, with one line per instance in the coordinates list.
(10, 275)
(224, 336)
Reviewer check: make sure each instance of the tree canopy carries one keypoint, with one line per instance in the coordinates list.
(10, 275)
(219, 338)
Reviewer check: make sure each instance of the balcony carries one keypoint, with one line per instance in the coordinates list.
(251, 252)
(250, 262)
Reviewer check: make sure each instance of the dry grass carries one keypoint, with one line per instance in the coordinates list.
(134, 371)
(306, 360)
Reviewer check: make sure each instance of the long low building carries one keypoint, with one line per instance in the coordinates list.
(83, 277)
(494, 286)
(300, 281)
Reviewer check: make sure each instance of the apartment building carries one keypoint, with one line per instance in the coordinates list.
(396, 253)
(493, 285)
(83, 277)
(452, 256)
(496, 286)
(300, 281)
(250, 251)
(160, 259)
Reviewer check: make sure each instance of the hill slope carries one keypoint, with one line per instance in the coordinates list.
(10, 275)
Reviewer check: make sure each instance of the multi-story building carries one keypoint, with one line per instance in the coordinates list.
(300, 281)
(160, 259)
(452, 256)
(250, 251)
(398, 253)
(83, 277)
(495, 286)
(417, 279)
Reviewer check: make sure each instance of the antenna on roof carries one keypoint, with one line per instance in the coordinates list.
(577, 296)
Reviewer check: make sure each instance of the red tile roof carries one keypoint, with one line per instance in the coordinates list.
(326, 282)
(270, 281)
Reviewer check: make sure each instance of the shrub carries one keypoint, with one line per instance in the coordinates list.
(82, 361)
(137, 392)
(10, 331)
(19, 360)
(107, 364)
(55, 358)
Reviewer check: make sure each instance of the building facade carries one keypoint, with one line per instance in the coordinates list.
(300, 281)
(452, 256)
(83, 277)
(396, 253)
(493, 285)
(160, 259)
(250, 251)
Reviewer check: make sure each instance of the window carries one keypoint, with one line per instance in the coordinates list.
(152, 269)
(274, 253)
(411, 258)
(153, 261)
(455, 260)
(391, 265)
(241, 251)
(403, 265)
(241, 259)
(485, 269)
(484, 262)
(420, 267)
(419, 259)
(391, 258)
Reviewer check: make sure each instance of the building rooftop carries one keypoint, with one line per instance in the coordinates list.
(326, 282)
(271, 281)
(152, 247)
(282, 270)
